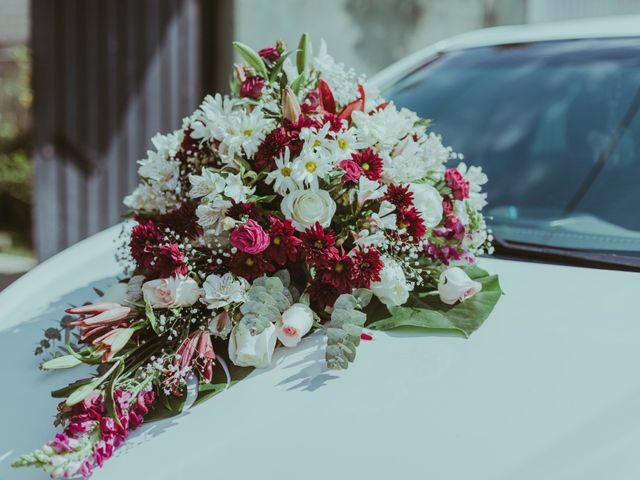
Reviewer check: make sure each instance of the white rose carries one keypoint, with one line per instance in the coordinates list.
(428, 202)
(171, 292)
(455, 285)
(246, 350)
(295, 323)
(392, 289)
(306, 207)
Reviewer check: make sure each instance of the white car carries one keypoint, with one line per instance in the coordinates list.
(546, 389)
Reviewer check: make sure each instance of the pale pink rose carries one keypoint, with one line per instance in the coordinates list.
(250, 238)
(295, 323)
(171, 292)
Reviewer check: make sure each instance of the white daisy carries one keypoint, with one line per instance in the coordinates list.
(346, 142)
(309, 167)
(244, 133)
(283, 175)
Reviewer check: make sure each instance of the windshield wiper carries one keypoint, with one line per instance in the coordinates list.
(582, 258)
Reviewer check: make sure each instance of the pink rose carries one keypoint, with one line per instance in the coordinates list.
(250, 238)
(459, 186)
(352, 171)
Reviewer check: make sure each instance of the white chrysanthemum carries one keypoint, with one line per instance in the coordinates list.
(282, 176)
(476, 178)
(220, 291)
(433, 152)
(164, 172)
(206, 184)
(211, 215)
(210, 120)
(412, 160)
(167, 145)
(148, 198)
(235, 188)
(386, 127)
(342, 81)
(244, 132)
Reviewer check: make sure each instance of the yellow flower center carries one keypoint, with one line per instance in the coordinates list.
(310, 166)
(277, 240)
(317, 143)
(249, 261)
(365, 166)
(342, 143)
(285, 171)
(318, 244)
(402, 225)
(248, 132)
(339, 267)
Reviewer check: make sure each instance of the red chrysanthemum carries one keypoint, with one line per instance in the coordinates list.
(239, 210)
(334, 120)
(366, 267)
(336, 268)
(284, 244)
(182, 220)
(273, 146)
(316, 242)
(145, 238)
(410, 220)
(322, 294)
(370, 163)
(249, 266)
(169, 262)
(400, 196)
(311, 102)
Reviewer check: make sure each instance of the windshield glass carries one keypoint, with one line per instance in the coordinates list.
(555, 125)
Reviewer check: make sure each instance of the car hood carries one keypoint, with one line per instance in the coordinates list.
(546, 388)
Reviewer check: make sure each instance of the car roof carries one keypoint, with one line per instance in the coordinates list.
(590, 28)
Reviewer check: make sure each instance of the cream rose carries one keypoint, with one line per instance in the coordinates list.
(455, 285)
(392, 289)
(428, 202)
(306, 207)
(171, 292)
(246, 350)
(295, 323)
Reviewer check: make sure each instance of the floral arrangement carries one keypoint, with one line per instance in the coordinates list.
(302, 202)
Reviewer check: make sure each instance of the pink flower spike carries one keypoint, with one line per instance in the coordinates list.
(366, 336)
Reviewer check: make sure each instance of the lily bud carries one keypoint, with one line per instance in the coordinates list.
(290, 105)
(240, 72)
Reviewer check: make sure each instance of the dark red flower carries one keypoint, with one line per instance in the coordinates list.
(370, 163)
(145, 238)
(447, 205)
(409, 219)
(269, 53)
(251, 88)
(459, 186)
(311, 102)
(169, 262)
(239, 210)
(336, 268)
(453, 229)
(366, 267)
(352, 171)
(400, 196)
(445, 254)
(273, 146)
(284, 244)
(322, 294)
(181, 220)
(249, 266)
(334, 120)
(316, 242)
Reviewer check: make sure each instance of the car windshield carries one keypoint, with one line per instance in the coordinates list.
(555, 125)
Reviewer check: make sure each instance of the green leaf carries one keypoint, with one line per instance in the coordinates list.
(297, 83)
(64, 392)
(252, 58)
(85, 390)
(425, 310)
(61, 362)
(109, 402)
(208, 390)
(151, 317)
(277, 67)
(302, 53)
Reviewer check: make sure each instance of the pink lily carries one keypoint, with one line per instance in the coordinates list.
(197, 350)
(112, 342)
(99, 318)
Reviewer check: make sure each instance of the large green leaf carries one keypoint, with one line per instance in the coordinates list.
(427, 311)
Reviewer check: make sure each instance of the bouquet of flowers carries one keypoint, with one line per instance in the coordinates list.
(303, 202)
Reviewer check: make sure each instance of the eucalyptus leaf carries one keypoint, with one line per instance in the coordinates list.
(343, 332)
(428, 312)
